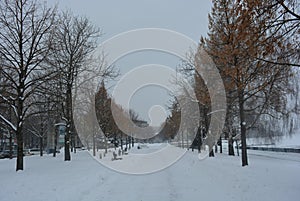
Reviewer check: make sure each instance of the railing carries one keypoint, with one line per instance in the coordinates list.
(275, 149)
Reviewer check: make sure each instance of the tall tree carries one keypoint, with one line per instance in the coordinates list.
(26, 31)
(236, 39)
(75, 38)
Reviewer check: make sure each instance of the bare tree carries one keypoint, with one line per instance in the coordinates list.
(75, 38)
(26, 30)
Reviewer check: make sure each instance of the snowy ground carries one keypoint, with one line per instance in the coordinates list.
(149, 159)
(270, 176)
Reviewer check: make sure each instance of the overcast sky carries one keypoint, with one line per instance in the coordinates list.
(115, 17)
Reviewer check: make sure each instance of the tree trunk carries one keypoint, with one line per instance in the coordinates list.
(243, 129)
(20, 149)
(221, 151)
(69, 122)
(67, 144)
(200, 140)
(244, 146)
(121, 141)
(230, 145)
(132, 141)
(71, 142)
(129, 142)
(19, 133)
(41, 145)
(211, 152)
(199, 146)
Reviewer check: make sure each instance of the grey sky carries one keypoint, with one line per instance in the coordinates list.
(115, 17)
(187, 17)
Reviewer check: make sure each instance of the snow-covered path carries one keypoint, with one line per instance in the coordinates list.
(268, 177)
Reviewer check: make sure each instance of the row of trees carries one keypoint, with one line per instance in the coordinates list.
(97, 125)
(43, 53)
(45, 57)
(255, 46)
